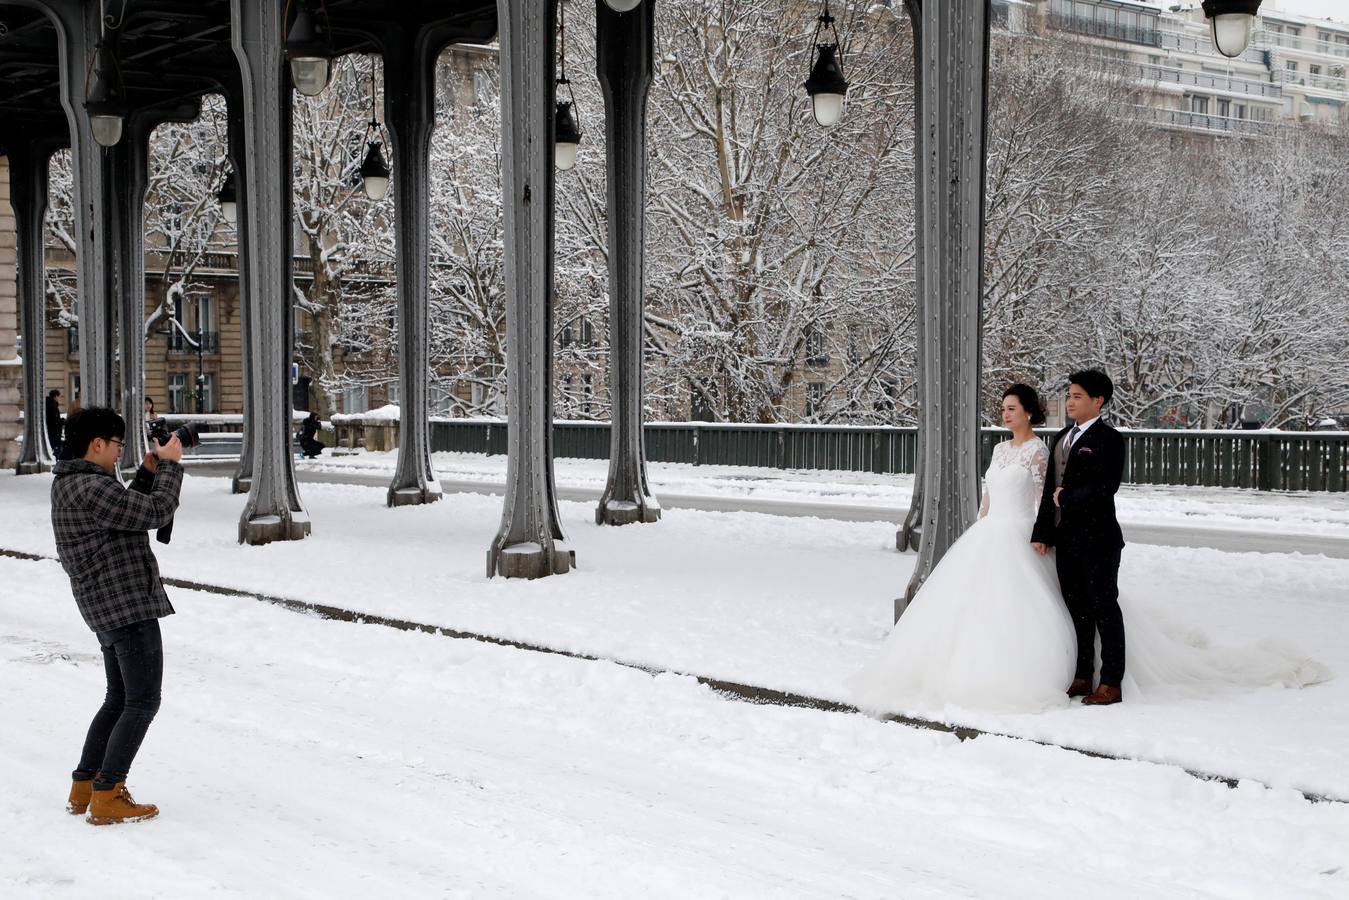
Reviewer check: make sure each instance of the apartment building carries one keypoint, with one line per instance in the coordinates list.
(1292, 74)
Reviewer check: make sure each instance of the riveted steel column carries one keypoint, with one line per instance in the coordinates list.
(530, 542)
(131, 165)
(28, 197)
(79, 28)
(242, 481)
(273, 511)
(410, 114)
(952, 84)
(624, 58)
(910, 533)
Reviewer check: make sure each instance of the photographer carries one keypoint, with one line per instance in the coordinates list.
(101, 537)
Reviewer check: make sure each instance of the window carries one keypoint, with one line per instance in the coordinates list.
(206, 387)
(206, 324)
(1224, 107)
(814, 398)
(178, 326)
(814, 346)
(1199, 105)
(391, 392)
(442, 399)
(177, 392)
(1240, 111)
(355, 400)
(1290, 66)
(1313, 69)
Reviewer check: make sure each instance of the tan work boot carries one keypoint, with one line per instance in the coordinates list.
(79, 797)
(112, 807)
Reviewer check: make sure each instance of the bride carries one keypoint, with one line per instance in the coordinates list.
(989, 629)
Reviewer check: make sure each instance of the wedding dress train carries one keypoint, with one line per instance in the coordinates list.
(989, 630)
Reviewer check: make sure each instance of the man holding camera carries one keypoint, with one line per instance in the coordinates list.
(101, 537)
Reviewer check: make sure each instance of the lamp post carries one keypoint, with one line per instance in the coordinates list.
(374, 170)
(826, 85)
(1231, 23)
(105, 99)
(308, 49)
(566, 126)
(228, 198)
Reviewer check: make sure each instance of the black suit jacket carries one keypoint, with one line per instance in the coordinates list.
(1090, 480)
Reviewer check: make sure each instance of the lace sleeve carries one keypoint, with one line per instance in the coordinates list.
(983, 493)
(1039, 465)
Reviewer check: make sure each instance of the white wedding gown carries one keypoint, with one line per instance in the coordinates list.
(989, 630)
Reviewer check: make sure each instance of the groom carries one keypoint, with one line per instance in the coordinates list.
(1077, 516)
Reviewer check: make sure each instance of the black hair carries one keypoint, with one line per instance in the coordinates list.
(1030, 401)
(1095, 382)
(89, 423)
(54, 392)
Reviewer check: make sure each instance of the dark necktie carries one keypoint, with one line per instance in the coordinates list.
(1072, 437)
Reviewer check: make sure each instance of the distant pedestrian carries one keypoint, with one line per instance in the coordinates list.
(54, 421)
(309, 429)
(101, 538)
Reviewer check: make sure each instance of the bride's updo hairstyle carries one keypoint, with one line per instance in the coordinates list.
(1030, 401)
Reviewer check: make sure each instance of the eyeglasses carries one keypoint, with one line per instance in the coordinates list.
(120, 444)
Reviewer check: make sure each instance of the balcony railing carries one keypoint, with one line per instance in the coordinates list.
(1269, 39)
(1333, 83)
(1266, 90)
(1146, 35)
(1193, 121)
(1202, 45)
(210, 343)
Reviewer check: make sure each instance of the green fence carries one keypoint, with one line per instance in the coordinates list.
(1262, 460)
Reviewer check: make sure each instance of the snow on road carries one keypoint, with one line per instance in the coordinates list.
(297, 757)
(1283, 512)
(300, 757)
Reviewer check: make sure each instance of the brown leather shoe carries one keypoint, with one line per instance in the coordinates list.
(79, 797)
(1104, 696)
(112, 807)
(1080, 687)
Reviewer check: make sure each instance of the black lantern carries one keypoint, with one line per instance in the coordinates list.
(1231, 22)
(566, 134)
(566, 126)
(105, 97)
(307, 48)
(826, 84)
(622, 6)
(228, 199)
(374, 170)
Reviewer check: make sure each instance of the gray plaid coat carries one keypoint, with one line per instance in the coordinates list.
(103, 541)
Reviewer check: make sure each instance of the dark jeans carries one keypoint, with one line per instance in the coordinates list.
(1089, 578)
(133, 661)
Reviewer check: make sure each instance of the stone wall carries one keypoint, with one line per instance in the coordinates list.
(11, 369)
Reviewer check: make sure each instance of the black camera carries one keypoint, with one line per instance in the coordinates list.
(187, 434)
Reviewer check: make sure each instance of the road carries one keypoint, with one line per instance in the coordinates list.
(1225, 539)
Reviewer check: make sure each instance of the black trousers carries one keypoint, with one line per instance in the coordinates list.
(1089, 578)
(133, 662)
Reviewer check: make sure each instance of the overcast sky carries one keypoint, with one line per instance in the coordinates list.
(1320, 9)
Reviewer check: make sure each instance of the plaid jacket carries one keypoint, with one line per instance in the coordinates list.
(101, 536)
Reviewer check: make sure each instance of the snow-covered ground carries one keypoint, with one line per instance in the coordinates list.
(1226, 508)
(301, 757)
